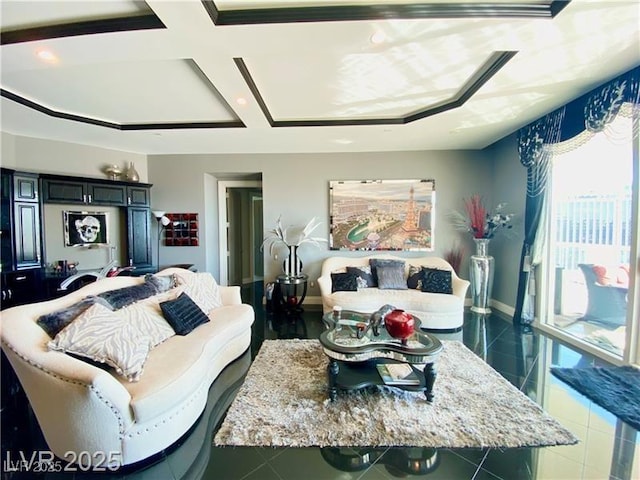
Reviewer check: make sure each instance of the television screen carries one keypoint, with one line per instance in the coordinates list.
(86, 228)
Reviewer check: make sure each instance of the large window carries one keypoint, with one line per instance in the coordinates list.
(589, 263)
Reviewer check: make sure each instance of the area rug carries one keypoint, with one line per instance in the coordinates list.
(284, 402)
(616, 389)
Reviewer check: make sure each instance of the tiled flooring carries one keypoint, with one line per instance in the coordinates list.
(608, 448)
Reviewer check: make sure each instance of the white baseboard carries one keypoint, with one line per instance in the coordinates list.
(313, 300)
(503, 307)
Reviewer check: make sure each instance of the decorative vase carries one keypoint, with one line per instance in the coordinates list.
(292, 266)
(481, 268)
(399, 324)
(131, 173)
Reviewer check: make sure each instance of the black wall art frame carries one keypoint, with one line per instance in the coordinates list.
(85, 228)
(382, 214)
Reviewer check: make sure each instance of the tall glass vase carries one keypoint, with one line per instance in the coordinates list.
(481, 268)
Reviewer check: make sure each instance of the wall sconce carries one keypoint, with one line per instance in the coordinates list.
(163, 221)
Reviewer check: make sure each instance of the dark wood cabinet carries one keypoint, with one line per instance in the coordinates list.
(57, 189)
(20, 237)
(25, 188)
(100, 194)
(64, 191)
(138, 196)
(26, 226)
(21, 287)
(21, 241)
(6, 221)
(139, 237)
(85, 193)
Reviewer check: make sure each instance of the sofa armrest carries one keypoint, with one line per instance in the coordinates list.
(324, 283)
(459, 286)
(230, 295)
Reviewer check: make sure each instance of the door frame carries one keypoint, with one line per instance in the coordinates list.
(223, 224)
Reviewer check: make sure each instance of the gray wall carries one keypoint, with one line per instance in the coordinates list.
(296, 187)
(509, 179)
(49, 156)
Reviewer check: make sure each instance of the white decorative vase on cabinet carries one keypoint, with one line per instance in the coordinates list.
(131, 174)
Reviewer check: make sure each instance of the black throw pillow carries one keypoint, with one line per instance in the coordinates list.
(183, 314)
(416, 275)
(363, 274)
(436, 280)
(344, 282)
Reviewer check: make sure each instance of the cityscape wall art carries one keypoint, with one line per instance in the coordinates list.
(382, 214)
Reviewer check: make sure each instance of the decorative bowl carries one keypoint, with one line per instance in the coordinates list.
(113, 171)
(399, 324)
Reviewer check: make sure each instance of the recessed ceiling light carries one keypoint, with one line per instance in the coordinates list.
(241, 101)
(47, 56)
(343, 141)
(378, 37)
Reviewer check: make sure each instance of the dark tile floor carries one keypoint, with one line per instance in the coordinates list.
(608, 448)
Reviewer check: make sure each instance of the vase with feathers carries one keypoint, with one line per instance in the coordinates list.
(291, 238)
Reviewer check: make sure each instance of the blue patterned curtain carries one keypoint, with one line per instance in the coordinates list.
(591, 113)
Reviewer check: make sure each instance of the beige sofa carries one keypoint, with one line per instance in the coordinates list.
(437, 311)
(82, 408)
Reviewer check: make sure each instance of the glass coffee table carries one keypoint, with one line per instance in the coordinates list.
(357, 356)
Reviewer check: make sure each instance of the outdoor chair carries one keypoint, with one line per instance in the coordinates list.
(606, 304)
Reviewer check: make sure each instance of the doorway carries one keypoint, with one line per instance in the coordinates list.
(241, 231)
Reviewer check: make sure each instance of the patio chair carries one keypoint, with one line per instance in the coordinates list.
(606, 304)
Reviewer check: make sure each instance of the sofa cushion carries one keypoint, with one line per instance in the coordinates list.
(414, 279)
(391, 277)
(344, 282)
(369, 300)
(121, 339)
(382, 262)
(54, 322)
(203, 289)
(162, 283)
(179, 366)
(436, 281)
(183, 314)
(363, 275)
(612, 275)
(122, 297)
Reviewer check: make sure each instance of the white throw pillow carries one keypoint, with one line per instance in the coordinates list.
(121, 339)
(204, 291)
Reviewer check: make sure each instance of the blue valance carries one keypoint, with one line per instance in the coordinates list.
(590, 112)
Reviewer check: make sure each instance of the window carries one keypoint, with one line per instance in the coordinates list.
(588, 263)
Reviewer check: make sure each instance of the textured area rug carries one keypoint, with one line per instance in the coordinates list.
(616, 389)
(284, 402)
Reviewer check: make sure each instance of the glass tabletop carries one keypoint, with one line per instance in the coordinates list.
(352, 333)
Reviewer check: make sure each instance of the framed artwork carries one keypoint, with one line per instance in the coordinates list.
(382, 214)
(85, 228)
(182, 231)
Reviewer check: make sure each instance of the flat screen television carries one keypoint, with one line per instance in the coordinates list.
(86, 228)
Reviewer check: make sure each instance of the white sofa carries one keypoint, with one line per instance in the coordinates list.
(437, 311)
(84, 408)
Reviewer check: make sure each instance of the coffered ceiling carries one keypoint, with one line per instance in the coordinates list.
(239, 76)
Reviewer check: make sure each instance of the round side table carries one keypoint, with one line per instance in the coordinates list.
(293, 289)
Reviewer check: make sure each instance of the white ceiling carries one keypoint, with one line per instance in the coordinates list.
(310, 85)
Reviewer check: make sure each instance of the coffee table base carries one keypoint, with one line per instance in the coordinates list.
(358, 375)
